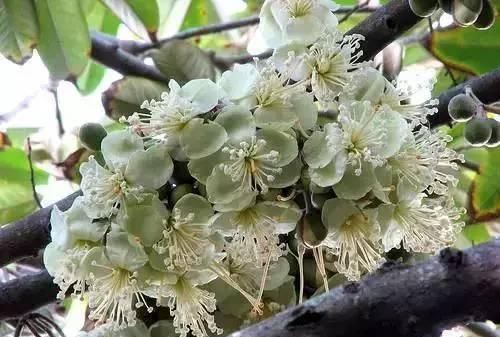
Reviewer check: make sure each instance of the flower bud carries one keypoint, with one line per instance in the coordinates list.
(180, 191)
(423, 8)
(495, 133)
(311, 231)
(466, 12)
(91, 135)
(486, 18)
(462, 108)
(477, 131)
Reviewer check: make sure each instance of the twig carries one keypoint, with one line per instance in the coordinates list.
(448, 70)
(199, 31)
(470, 165)
(32, 175)
(106, 51)
(54, 84)
(355, 9)
(139, 48)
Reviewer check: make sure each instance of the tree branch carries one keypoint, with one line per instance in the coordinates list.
(25, 294)
(485, 87)
(400, 301)
(106, 50)
(384, 26)
(27, 236)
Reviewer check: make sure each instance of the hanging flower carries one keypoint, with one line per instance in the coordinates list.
(425, 162)
(186, 235)
(420, 223)
(254, 230)
(353, 236)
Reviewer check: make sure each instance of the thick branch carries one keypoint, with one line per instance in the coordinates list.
(106, 51)
(27, 236)
(485, 87)
(400, 301)
(25, 294)
(384, 26)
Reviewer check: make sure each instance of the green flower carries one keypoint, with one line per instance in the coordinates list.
(130, 173)
(251, 162)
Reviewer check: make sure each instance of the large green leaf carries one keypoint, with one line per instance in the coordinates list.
(64, 42)
(140, 16)
(468, 49)
(101, 19)
(126, 95)
(200, 13)
(485, 190)
(18, 29)
(16, 197)
(183, 61)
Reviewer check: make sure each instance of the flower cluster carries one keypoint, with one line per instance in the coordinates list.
(260, 148)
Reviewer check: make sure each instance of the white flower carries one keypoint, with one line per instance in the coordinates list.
(400, 98)
(166, 119)
(67, 268)
(332, 60)
(353, 235)
(130, 173)
(426, 162)
(254, 230)
(113, 290)
(364, 134)
(186, 235)
(277, 103)
(420, 223)
(191, 306)
(285, 21)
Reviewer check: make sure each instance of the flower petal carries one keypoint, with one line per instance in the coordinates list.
(199, 139)
(150, 169)
(117, 148)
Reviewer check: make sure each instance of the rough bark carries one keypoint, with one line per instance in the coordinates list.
(27, 236)
(23, 295)
(400, 301)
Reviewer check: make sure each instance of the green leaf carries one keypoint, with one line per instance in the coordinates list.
(485, 190)
(126, 95)
(200, 13)
(477, 233)
(64, 43)
(18, 29)
(459, 48)
(103, 20)
(182, 61)
(16, 196)
(140, 16)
